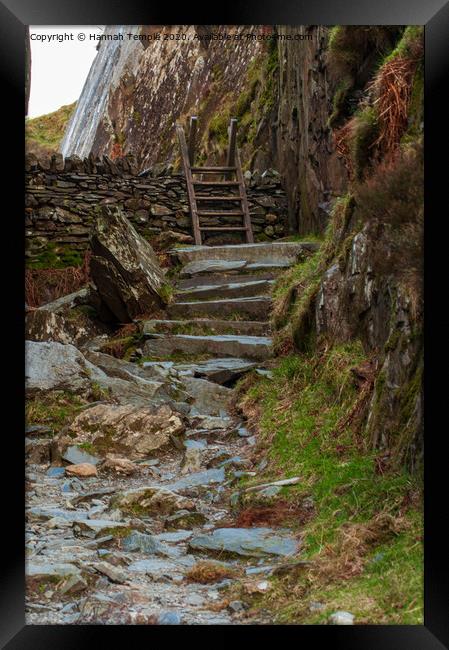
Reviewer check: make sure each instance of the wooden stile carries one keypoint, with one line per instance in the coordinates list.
(232, 167)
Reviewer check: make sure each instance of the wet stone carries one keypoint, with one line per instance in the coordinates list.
(75, 455)
(169, 618)
(56, 472)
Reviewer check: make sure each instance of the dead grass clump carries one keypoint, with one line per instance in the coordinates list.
(346, 557)
(282, 513)
(392, 88)
(46, 285)
(129, 329)
(206, 572)
(118, 347)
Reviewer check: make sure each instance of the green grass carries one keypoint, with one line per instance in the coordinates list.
(56, 257)
(46, 131)
(305, 430)
(54, 409)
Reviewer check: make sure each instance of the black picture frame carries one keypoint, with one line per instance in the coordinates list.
(14, 16)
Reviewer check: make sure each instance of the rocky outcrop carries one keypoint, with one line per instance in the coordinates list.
(131, 431)
(305, 154)
(138, 88)
(124, 268)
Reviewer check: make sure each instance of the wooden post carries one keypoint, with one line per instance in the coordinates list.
(189, 183)
(192, 138)
(244, 200)
(232, 131)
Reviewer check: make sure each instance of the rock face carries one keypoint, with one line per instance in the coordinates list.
(305, 154)
(124, 268)
(128, 430)
(287, 106)
(136, 89)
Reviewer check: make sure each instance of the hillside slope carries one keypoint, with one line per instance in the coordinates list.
(43, 134)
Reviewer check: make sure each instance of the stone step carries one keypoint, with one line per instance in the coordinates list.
(226, 290)
(206, 326)
(287, 251)
(227, 345)
(221, 278)
(225, 371)
(228, 267)
(254, 308)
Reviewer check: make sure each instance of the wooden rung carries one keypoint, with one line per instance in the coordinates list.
(205, 213)
(222, 228)
(219, 183)
(200, 197)
(212, 170)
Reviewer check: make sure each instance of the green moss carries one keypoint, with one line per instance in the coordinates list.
(339, 107)
(412, 35)
(87, 446)
(166, 292)
(137, 117)
(218, 128)
(56, 257)
(118, 532)
(362, 139)
(55, 409)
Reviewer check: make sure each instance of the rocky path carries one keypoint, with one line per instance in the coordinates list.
(134, 514)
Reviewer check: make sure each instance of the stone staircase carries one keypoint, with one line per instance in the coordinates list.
(222, 301)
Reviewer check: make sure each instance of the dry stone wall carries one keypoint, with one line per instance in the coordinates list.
(61, 196)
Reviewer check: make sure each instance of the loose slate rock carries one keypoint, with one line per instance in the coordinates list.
(253, 542)
(152, 500)
(54, 366)
(198, 479)
(83, 470)
(142, 542)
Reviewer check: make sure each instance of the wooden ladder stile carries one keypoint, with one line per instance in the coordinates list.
(233, 166)
(189, 182)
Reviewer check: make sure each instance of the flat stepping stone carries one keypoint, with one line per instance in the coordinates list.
(44, 512)
(227, 290)
(249, 252)
(207, 477)
(222, 371)
(158, 567)
(43, 570)
(206, 326)
(208, 397)
(220, 278)
(250, 542)
(255, 308)
(204, 268)
(250, 347)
